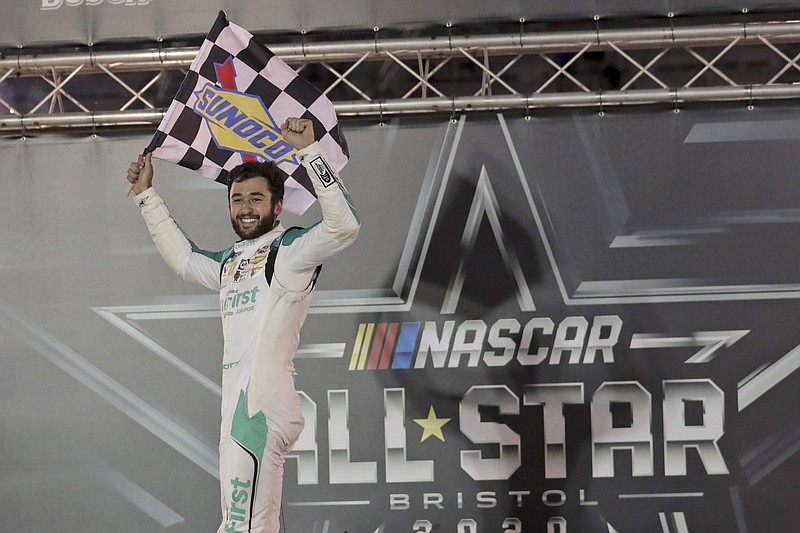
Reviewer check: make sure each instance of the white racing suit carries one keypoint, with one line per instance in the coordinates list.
(265, 288)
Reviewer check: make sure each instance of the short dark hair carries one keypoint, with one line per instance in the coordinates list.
(259, 169)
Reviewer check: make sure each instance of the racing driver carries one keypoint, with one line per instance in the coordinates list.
(265, 282)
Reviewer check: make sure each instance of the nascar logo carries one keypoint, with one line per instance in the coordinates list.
(407, 345)
(241, 123)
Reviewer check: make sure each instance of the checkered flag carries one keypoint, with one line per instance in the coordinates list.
(229, 109)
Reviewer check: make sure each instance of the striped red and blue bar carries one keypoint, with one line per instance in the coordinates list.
(384, 345)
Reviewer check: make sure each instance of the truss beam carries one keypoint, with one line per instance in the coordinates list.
(405, 48)
(510, 71)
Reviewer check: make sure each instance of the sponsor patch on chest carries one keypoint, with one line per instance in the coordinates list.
(244, 268)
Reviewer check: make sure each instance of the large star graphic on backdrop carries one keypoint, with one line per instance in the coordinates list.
(759, 459)
(431, 426)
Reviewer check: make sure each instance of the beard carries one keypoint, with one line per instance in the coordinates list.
(263, 225)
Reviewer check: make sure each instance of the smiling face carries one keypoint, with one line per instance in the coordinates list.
(252, 211)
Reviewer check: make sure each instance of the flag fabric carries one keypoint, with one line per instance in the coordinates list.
(229, 109)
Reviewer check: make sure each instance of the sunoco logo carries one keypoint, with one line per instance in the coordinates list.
(56, 4)
(241, 122)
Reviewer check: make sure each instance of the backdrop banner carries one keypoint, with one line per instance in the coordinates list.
(28, 22)
(569, 323)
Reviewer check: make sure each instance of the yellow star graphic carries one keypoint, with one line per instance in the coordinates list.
(432, 425)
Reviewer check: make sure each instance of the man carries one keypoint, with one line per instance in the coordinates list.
(265, 283)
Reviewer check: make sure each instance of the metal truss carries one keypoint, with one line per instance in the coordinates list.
(448, 74)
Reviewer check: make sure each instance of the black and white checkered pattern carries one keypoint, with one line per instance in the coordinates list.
(184, 138)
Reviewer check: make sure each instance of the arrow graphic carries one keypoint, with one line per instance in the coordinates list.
(711, 342)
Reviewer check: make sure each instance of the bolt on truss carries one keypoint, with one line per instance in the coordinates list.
(445, 75)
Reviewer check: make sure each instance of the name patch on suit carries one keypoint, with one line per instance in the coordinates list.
(323, 171)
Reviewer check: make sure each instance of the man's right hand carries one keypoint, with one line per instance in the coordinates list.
(140, 174)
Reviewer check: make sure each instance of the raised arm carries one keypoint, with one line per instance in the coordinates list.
(191, 263)
(340, 224)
